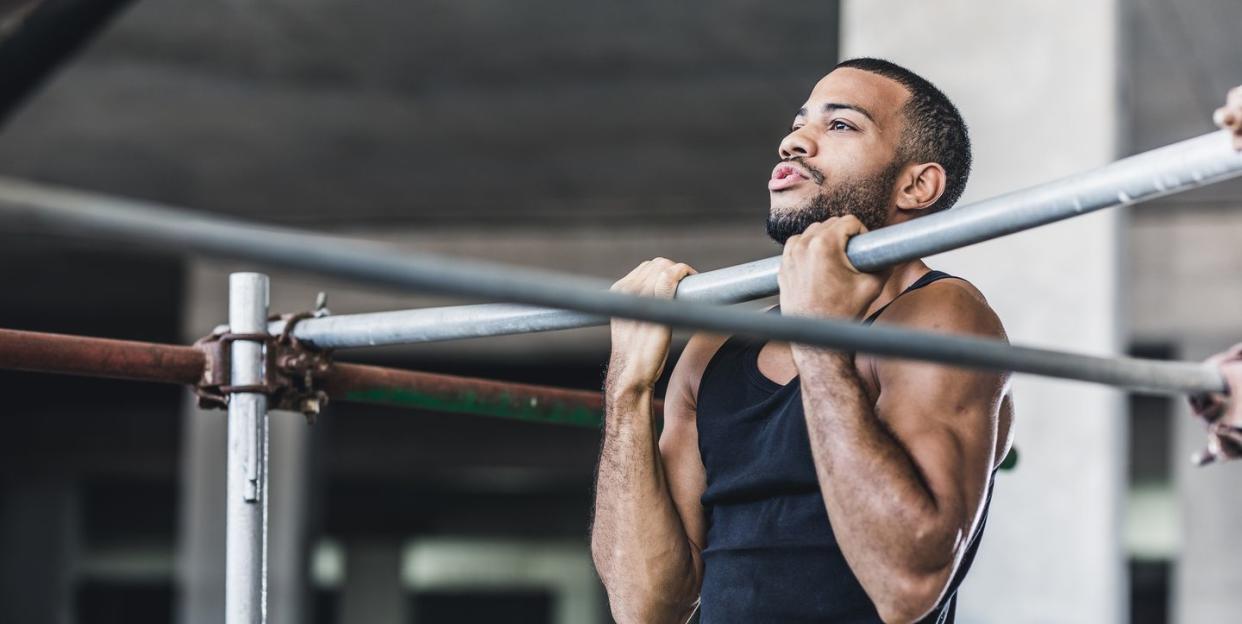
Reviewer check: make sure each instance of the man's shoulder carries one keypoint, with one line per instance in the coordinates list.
(951, 304)
(688, 372)
(699, 351)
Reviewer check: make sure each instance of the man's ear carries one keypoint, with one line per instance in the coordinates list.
(920, 186)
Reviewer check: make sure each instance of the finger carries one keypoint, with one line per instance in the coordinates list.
(669, 279)
(851, 224)
(1234, 98)
(792, 243)
(640, 269)
(1227, 119)
(849, 228)
(657, 266)
(637, 281)
(651, 277)
(626, 283)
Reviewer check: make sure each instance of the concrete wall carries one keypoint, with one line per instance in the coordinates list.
(1207, 575)
(1038, 91)
(1183, 290)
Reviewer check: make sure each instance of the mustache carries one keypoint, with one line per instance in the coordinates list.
(816, 175)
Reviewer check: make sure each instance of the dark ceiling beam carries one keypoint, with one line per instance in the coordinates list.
(48, 36)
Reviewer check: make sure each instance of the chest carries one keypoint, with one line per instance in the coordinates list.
(775, 362)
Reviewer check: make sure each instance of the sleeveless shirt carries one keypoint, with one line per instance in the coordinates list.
(770, 554)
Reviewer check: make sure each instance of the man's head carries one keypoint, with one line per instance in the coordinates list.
(874, 140)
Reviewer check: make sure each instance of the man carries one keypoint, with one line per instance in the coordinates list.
(791, 483)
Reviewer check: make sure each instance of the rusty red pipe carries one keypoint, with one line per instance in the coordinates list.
(167, 363)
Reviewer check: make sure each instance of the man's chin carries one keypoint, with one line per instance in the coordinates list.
(785, 203)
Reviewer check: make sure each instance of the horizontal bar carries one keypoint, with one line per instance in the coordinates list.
(353, 383)
(99, 357)
(1174, 168)
(177, 231)
(730, 285)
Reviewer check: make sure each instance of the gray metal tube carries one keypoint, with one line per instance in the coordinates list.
(1174, 168)
(734, 284)
(159, 227)
(245, 583)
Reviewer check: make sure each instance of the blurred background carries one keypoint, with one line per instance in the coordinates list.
(580, 136)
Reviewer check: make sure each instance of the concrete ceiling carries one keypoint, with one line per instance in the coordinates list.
(430, 112)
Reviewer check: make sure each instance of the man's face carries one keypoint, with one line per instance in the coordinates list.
(840, 157)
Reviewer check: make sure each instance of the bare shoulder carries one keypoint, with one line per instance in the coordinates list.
(951, 305)
(683, 385)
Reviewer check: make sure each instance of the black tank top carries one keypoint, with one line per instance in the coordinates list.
(770, 555)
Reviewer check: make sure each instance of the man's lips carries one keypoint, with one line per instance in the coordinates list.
(786, 175)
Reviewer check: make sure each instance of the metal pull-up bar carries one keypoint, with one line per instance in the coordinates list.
(1175, 168)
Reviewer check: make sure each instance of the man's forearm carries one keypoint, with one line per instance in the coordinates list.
(882, 513)
(637, 539)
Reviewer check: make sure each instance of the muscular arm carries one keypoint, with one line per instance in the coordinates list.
(648, 523)
(904, 481)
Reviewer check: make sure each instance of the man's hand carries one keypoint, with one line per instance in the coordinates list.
(1229, 116)
(1222, 412)
(816, 277)
(639, 350)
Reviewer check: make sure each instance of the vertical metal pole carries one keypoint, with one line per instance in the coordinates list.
(245, 584)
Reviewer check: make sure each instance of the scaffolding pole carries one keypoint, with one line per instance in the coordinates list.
(1171, 169)
(245, 583)
(1191, 163)
(88, 356)
(344, 382)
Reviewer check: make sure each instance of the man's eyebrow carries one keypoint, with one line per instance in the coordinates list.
(831, 106)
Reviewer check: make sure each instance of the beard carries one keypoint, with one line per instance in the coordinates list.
(866, 199)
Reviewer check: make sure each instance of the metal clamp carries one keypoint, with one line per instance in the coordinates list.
(291, 372)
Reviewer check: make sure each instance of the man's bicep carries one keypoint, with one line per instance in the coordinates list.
(683, 470)
(679, 441)
(946, 417)
(946, 420)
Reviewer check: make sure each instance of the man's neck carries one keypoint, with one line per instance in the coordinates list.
(902, 277)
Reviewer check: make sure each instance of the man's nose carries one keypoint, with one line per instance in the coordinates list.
(796, 144)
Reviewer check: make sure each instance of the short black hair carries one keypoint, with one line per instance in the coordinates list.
(935, 130)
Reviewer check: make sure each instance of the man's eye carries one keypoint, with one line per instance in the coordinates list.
(839, 125)
(794, 128)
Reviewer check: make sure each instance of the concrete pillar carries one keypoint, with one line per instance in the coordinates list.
(1040, 106)
(291, 450)
(200, 535)
(373, 591)
(1206, 574)
(200, 566)
(39, 543)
